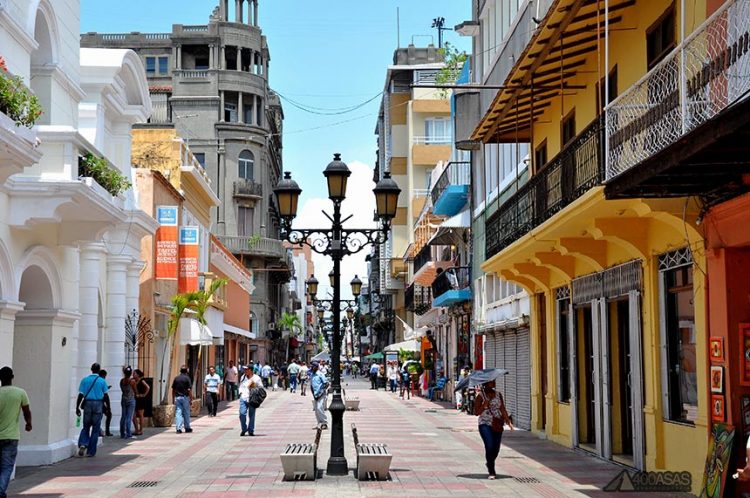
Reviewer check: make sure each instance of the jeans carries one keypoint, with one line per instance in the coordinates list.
(247, 416)
(92, 425)
(182, 412)
(393, 385)
(292, 382)
(8, 452)
(213, 403)
(231, 390)
(302, 386)
(374, 381)
(319, 406)
(128, 409)
(491, 440)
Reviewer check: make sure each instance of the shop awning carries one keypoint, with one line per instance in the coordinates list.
(412, 345)
(191, 333)
(452, 230)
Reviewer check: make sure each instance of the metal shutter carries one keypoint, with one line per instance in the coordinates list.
(523, 379)
(510, 392)
(489, 350)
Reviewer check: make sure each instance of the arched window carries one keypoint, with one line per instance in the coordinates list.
(246, 165)
(254, 324)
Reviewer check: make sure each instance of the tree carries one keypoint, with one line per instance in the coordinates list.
(180, 304)
(454, 63)
(200, 306)
(291, 322)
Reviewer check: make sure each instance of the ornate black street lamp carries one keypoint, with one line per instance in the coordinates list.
(337, 242)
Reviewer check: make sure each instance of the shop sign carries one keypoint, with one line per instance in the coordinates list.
(165, 267)
(188, 258)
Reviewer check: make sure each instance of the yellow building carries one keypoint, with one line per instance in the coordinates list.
(619, 333)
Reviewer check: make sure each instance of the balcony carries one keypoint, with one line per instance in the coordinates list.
(451, 191)
(254, 246)
(426, 265)
(248, 189)
(431, 149)
(452, 286)
(418, 299)
(681, 129)
(19, 145)
(575, 170)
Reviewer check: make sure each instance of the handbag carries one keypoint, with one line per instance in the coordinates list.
(497, 424)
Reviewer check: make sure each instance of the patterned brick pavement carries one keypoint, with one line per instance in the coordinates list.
(437, 452)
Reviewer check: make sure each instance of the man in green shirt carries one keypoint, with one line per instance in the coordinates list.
(12, 401)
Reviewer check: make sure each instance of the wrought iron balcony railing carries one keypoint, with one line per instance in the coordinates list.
(575, 170)
(456, 173)
(456, 278)
(418, 299)
(701, 77)
(423, 257)
(254, 246)
(247, 188)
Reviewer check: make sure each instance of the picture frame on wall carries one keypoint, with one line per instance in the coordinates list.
(717, 408)
(717, 379)
(745, 354)
(716, 349)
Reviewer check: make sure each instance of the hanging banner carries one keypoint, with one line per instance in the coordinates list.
(189, 248)
(166, 243)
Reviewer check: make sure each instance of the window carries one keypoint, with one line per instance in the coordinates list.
(259, 113)
(163, 65)
(563, 363)
(568, 128)
(150, 66)
(540, 156)
(428, 179)
(680, 336)
(248, 110)
(244, 221)
(660, 38)
(246, 164)
(438, 130)
(230, 112)
(201, 158)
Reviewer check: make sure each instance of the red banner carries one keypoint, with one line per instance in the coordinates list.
(188, 254)
(165, 266)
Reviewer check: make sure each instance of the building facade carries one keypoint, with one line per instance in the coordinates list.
(211, 83)
(69, 241)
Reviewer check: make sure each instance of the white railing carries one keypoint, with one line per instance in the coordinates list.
(195, 28)
(157, 36)
(706, 73)
(194, 74)
(113, 36)
(432, 140)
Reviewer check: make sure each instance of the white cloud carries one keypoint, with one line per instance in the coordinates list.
(360, 204)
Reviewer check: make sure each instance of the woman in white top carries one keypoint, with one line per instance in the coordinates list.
(492, 413)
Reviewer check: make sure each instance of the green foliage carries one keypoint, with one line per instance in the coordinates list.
(16, 100)
(415, 368)
(98, 169)
(253, 240)
(404, 355)
(291, 322)
(454, 63)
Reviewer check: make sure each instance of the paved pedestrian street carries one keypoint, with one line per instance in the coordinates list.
(437, 452)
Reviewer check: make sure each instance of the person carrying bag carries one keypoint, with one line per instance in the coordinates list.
(492, 413)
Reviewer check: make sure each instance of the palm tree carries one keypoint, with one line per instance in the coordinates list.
(200, 306)
(292, 323)
(180, 304)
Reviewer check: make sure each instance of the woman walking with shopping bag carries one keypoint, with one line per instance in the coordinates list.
(492, 414)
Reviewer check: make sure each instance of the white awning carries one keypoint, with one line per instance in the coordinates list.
(413, 345)
(451, 231)
(193, 334)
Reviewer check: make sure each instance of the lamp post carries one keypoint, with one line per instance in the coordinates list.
(337, 242)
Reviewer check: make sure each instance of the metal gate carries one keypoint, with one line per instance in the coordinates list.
(511, 350)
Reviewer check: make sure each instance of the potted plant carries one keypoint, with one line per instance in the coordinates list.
(415, 370)
(16, 101)
(111, 180)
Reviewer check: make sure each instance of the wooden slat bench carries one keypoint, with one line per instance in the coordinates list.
(300, 460)
(373, 459)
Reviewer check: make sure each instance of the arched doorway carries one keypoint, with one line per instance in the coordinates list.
(43, 59)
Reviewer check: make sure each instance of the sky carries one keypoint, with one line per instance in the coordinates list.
(330, 55)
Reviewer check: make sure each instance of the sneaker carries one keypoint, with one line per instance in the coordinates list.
(243, 433)
(251, 433)
(179, 431)
(491, 477)
(188, 430)
(81, 451)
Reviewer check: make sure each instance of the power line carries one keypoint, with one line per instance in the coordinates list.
(327, 111)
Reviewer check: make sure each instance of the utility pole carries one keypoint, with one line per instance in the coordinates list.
(439, 23)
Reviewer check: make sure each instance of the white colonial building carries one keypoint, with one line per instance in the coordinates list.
(69, 250)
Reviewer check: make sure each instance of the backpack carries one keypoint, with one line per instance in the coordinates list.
(257, 396)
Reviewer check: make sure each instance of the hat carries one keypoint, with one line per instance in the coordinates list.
(248, 367)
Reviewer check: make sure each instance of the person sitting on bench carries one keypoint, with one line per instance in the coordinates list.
(439, 386)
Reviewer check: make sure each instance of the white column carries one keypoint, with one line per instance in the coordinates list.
(238, 11)
(8, 310)
(114, 337)
(91, 257)
(221, 107)
(223, 62)
(178, 62)
(240, 110)
(255, 13)
(133, 291)
(211, 56)
(174, 58)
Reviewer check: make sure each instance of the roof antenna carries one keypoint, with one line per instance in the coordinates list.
(438, 23)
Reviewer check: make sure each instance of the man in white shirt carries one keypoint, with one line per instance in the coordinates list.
(265, 374)
(302, 375)
(248, 381)
(292, 370)
(212, 384)
(231, 376)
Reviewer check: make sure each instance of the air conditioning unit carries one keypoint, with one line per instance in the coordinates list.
(271, 326)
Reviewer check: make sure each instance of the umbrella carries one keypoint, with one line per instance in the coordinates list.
(479, 377)
(374, 356)
(324, 356)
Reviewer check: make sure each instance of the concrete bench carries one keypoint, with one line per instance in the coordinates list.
(373, 459)
(300, 460)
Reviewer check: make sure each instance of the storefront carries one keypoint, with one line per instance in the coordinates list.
(510, 348)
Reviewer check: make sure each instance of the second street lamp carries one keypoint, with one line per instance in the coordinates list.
(337, 242)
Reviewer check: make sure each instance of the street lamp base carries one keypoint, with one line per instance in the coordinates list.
(337, 466)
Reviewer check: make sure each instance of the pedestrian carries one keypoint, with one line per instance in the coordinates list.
(292, 370)
(90, 401)
(319, 388)
(374, 369)
(492, 413)
(283, 377)
(107, 407)
(142, 390)
(275, 377)
(182, 394)
(303, 378)
(212, 384)
(393, 376)
(405, 383)
(323, 367)
(127, 403)
(248, 382)
(13, 401)
(265, 375)
(256, 368)
(230, 379)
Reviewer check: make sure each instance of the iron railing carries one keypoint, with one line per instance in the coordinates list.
(456, 278)
(254, 246)
(456, 173)
(702, 76)
(247, 188)
(575, 170)
(423, 257)
(418, 299)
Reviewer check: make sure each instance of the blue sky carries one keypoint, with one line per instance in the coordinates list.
(329, 54)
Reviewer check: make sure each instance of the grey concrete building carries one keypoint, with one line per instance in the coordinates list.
(210, 82)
